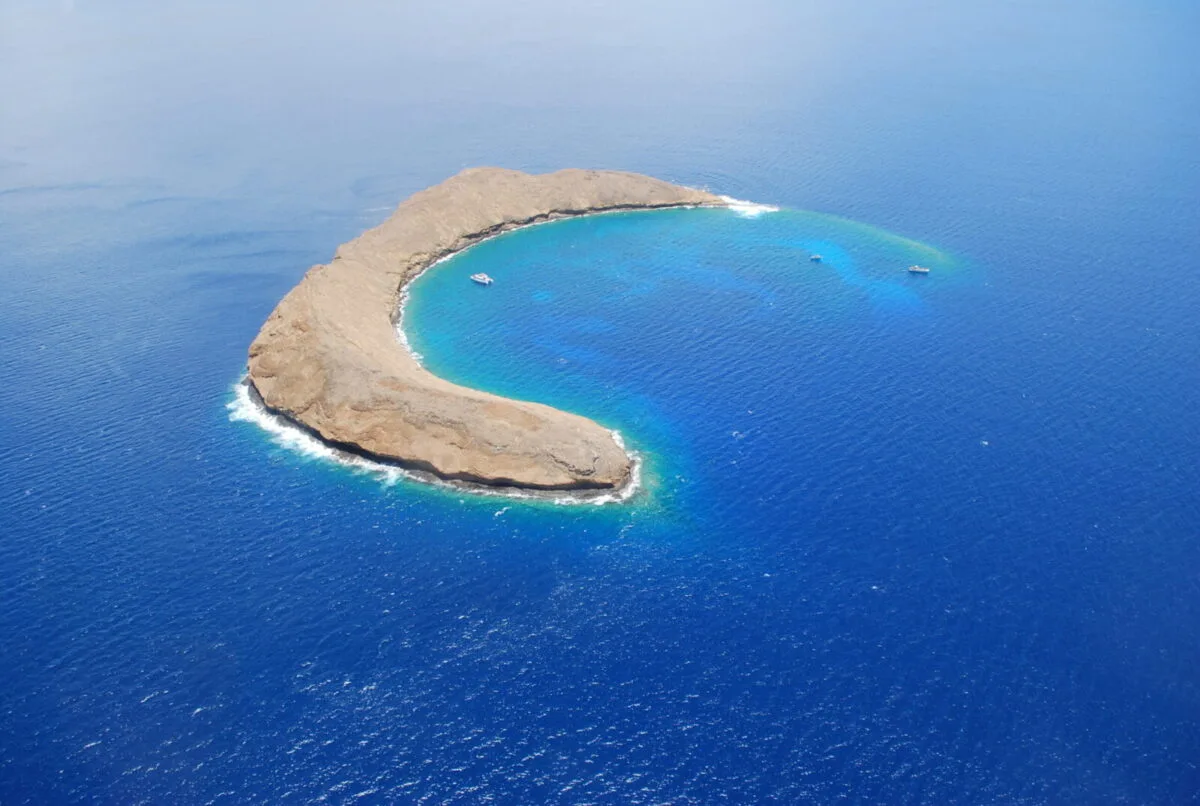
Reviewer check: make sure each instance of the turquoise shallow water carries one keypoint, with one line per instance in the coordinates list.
(903, 540)
(622, 317)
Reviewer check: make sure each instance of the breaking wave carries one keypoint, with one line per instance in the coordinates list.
(245, 408)
(748, 209)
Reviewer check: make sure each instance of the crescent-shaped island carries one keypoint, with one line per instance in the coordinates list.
(328, 358)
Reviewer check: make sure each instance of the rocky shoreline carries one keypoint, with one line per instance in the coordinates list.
(329, 361)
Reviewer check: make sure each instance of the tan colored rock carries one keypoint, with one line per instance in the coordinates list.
(328, 357)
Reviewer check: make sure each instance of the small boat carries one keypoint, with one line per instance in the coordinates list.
(815, 258)
(918, 270)
(482, 279)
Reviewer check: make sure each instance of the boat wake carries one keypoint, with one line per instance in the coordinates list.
(244, 407)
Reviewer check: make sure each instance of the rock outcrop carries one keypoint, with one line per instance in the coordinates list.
(328, 358)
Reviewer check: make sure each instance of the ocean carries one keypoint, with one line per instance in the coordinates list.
(898, 539)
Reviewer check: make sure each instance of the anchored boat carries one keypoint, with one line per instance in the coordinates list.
(815, 258)
(482, 279)
(918, 270)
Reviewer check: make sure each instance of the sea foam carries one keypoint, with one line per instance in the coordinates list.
(245, 408)
(748, 209)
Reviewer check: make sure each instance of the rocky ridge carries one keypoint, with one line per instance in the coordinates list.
(328, 357)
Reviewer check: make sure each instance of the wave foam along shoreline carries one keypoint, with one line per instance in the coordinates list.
(748, 209)
(244, 407)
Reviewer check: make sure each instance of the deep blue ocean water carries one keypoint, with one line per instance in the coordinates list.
(922, 540)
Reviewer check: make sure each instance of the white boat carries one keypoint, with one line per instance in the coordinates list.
(918, 270)
(482, 279)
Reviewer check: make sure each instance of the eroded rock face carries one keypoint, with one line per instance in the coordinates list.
(328, 357)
